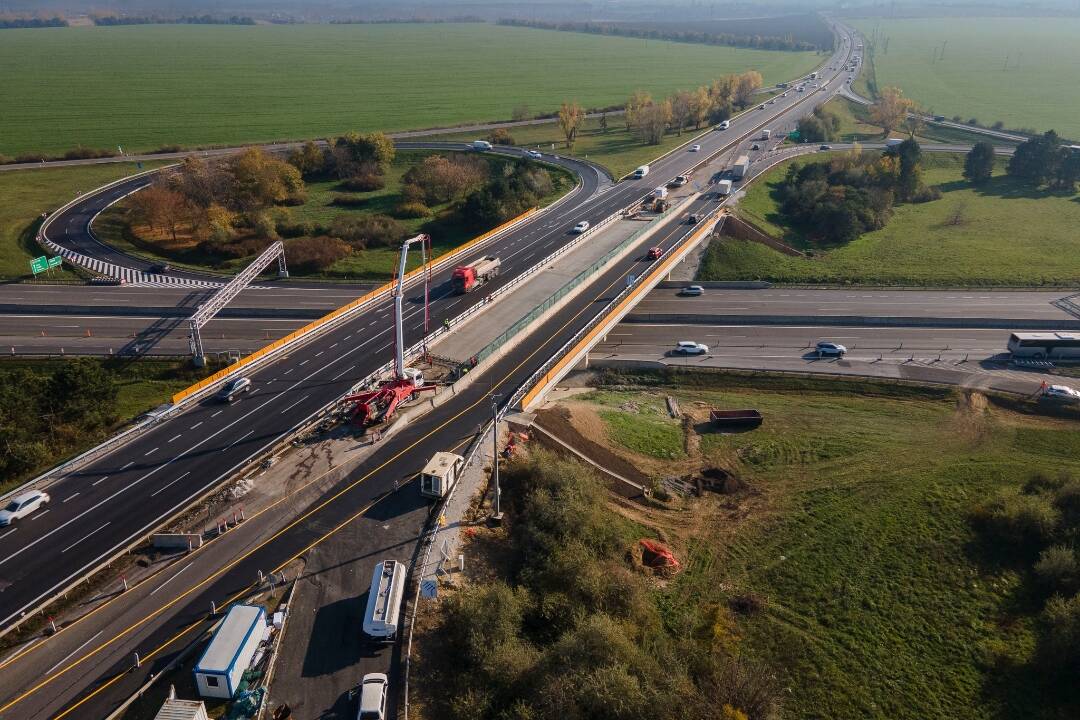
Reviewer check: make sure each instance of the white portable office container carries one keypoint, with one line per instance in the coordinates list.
(440, 474)
(218, 672)
(384, 600)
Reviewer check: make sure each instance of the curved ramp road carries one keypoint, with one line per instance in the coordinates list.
(117, 497)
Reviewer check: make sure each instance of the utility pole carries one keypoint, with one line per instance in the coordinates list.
(496, 517)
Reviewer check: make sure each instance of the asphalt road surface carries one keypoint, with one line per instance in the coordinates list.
(116, 498)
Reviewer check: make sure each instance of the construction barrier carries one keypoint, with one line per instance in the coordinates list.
(569, 357)
(343, 310)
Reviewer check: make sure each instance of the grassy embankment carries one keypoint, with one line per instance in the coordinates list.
(1003, 234)
(28, 193)
(141, 385)
(445, 228)
(855, 540)
(120, 86)
(1013, 69)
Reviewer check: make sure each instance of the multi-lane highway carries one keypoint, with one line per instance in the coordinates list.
(117, 498)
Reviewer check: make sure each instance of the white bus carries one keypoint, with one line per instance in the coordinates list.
(1045, 345)
(384, 600)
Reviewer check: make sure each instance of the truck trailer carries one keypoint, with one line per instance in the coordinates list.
(467, 278)
(738, 170)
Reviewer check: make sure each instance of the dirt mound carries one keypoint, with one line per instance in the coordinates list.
(557, 421)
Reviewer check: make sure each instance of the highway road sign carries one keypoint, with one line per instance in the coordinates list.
(55, 261)
(39, 264)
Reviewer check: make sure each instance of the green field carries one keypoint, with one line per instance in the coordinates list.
(857, 542)
(25, 194)
(146, 86)
(1007, 235)
(972, 81)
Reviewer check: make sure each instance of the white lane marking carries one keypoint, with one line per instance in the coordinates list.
(296, 403)
(71, 497)
(151, 452)
(229, 447)
(217, 413)
(163, 487)
(97, 482)
(85, 537)
(171, 579)
(196, 425)
(174, 437)
(8, 532)
(68, 656)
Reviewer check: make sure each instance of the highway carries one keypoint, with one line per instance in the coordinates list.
(972, 358)
(115, 499)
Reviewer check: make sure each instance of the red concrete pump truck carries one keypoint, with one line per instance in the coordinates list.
(376, 406)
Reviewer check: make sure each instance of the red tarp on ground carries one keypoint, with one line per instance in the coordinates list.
(656, 555)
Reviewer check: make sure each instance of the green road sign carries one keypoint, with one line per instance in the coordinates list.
(55, 261)
(39, 264)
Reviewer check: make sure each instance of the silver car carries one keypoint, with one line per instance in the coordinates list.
(22, 505)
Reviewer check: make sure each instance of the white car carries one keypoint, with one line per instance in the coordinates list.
(689, 347)
(1064, 393)
(695, 148)
(22, 505)
(580, 227)
(830, 348)
(373, 697)
(534, 154)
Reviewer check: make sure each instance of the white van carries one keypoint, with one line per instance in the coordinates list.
(481, 145)
(641, 172)
(384, 601)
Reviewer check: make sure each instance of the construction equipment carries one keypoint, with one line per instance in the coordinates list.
(467, 278)
(378, 405)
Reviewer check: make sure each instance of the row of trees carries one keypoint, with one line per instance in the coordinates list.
(835, 201)
(760, 42)
(574, 631)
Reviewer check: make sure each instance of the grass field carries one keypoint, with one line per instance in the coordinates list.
(857, 542)
(146, 86)
(27, 193)
(1008, 235)
(972, 80)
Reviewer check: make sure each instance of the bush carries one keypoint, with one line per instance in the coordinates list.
(500, 136)
(1056, 570)
(363, 231)
(412, 210)
(1021, 523)
(364, 182)
(312, 254)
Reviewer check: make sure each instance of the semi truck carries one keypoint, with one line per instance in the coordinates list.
(467, 278)
(738, 170)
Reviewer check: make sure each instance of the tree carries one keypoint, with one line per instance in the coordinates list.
(680, 110)
(700, 104)
(651, 122)
(571, 116)
(638, 100)
(745, 85)
(979, 163)
(890, 109)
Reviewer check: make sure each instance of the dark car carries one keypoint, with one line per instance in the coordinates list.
(160, 268)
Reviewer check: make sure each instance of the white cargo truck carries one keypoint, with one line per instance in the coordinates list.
(440, 474)
(383, 612)
(738, 170)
